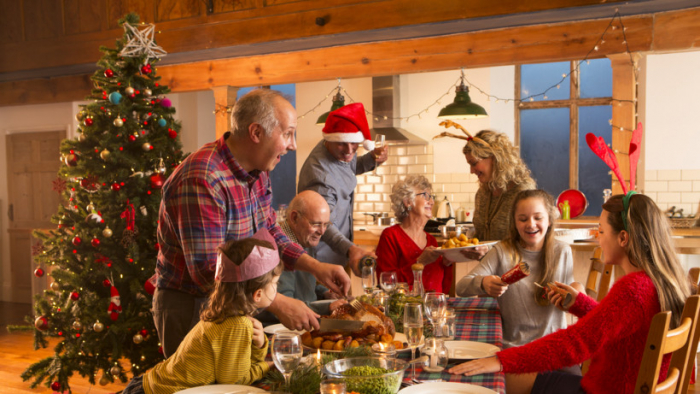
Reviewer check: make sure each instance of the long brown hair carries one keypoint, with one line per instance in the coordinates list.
(236, 298)
(650, 248)
(548, 260)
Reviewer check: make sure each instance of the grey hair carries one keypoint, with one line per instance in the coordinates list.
(404, 190)
(256, 106)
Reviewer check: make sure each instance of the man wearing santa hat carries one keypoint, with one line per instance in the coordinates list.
(331, 169)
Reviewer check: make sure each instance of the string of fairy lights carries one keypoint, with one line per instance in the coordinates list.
(520, 101)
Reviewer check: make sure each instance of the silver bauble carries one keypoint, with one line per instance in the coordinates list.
(77, 326)
(147, 92)
(115, 370)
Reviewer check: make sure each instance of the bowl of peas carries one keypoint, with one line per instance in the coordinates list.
(368, 375)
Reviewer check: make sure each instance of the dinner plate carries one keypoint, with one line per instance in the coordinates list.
(222, 389)
(446, 388)
(275, 328)
(469, 350)
(399, 336)
(454, 254)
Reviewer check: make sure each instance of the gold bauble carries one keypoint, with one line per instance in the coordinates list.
(77, 326)
(129, 91)
(138, 338)
(115, 370)
(118, 122)
(146, 147)
(147, 92)
(55, 286)
(107, 232)
(98, 327)
(105, 154)
(104, 381)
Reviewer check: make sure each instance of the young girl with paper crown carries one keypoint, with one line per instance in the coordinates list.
(635, 236)
(227, 346)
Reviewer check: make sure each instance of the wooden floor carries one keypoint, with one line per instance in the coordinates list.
(17, 353)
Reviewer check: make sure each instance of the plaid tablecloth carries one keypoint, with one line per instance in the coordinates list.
(481, 310)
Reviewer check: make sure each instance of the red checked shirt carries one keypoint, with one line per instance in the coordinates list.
(210, 199)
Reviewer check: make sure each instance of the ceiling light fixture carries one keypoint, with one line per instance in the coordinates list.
(462, 107)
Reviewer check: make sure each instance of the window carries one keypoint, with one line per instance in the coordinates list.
(561, 103)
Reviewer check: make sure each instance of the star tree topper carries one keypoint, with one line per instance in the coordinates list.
(142, 42)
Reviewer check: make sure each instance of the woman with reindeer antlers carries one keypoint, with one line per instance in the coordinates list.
(501, 173)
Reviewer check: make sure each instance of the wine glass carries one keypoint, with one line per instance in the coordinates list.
(286, 353)
(388, 281)
(413, 328)
(378, 143)
(369, 279)
(434, 304)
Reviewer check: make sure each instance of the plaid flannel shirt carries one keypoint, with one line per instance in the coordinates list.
(210, 199)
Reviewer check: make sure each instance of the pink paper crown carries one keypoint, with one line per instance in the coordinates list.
(260, 261)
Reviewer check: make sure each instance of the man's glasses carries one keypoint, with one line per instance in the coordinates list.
(426, 196)
(321, 226)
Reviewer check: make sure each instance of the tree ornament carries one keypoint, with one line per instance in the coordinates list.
(118, 122)
(77, 325)
(144, 333)
(109, 73)
(81, 137)
(157, 181)
(115, 98)
(76, 241)
(115, 370)
(146, 68)
(132, 137)
(38, 272)
(146, 147)
(80, 116)
(56, 386)
(147, 92)
(106, 283)
(74, 296)
(98, 327)
(166, 103)
(150, 285)
(71, 159)
(172, 133)
(107, 232)
(116, 187)
(41, 323)
(88, 121)
(104, 381)
(55, 286)
(115, 304)
(95, 242)
(138, 338)
(162, 122)
(129, 91)
(104, 155)
(161, 169)
(90, 207)
(144, 210)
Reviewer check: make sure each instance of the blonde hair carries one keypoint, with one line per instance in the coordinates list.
(650, 248)
(404, 190)
(508, 168)
(548, 261)
(236, 298)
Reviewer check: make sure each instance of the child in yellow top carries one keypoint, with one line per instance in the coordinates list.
(227, 346)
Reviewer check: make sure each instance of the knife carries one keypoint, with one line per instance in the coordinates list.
(339, 325)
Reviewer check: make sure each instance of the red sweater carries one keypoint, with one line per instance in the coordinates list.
(612, 334)
(396, 251)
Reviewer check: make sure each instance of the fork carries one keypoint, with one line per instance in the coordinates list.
(356, 305)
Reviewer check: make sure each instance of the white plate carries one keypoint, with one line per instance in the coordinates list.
(222, 389)
(454, 254)
(446, 388)
(399, 336)
(469, 350)
(275, 328)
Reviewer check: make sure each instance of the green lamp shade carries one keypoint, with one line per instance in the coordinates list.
(462, 107)
(338, 101)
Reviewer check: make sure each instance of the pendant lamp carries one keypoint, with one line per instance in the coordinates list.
(462, 107)
(338, 101)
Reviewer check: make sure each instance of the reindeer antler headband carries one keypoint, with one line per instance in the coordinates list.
(602, 150)
(469, 137)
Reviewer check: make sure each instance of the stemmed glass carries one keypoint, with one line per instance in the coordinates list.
(413, 328)
(388, 281)
(369, 279)
(378, 143)
(435, 304)
(286, 353)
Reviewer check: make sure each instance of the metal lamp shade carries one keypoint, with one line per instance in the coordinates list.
(338, 101)
(462, 107)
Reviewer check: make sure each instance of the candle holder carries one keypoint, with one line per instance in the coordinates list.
(437, 355)
(333, 386)
(386, 350)
(447, 324)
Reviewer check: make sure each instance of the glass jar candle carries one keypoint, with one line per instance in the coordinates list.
(386, 350)
(437, 355)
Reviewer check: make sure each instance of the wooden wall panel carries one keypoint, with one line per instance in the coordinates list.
(233, 5)
(168, 10)
(83, 16)
(118, 8)
(269, 3)
(10, 21)
(43, 19)
(677, 30)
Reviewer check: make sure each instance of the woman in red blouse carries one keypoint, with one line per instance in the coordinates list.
(407, 243)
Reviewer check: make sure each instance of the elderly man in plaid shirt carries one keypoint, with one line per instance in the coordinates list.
(222, 192)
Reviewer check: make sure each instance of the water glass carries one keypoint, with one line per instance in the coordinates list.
(402, 288)
(369, 279)
(434, 304)
(413, 328)
(286, 353)
(333, 386)
(388, 281)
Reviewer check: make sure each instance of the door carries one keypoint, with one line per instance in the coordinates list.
(32, 165)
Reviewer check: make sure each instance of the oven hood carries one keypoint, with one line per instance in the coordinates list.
(386, 103)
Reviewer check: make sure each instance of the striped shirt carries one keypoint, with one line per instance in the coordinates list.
(210, 199)
(221, 353)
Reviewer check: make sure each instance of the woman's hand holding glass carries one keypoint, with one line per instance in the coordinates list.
(286, 352)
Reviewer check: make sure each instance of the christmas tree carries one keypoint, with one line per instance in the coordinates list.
(103, 251)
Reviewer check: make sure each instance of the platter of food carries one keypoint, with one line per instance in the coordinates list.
(446, 388)
(452, 248)
(469, 350)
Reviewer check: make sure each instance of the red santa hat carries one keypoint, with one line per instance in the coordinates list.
(348, 124)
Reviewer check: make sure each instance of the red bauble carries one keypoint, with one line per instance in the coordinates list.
(84, 182)
(74, 296)
(55, 386)
(95, 242)
(132, 138)
(76, 241)
(157, 181)
(144, 333)
(88, 121)
(172, 133)
(106, 283)
(109, 73)
(146, 69)
(160, 350)
(116, 187)
(150, 285)
(157, 246)
(41, 323)
(71, 160)
(38, 272)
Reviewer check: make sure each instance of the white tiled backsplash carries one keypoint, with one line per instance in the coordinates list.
(679, 188)
(373, 191)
